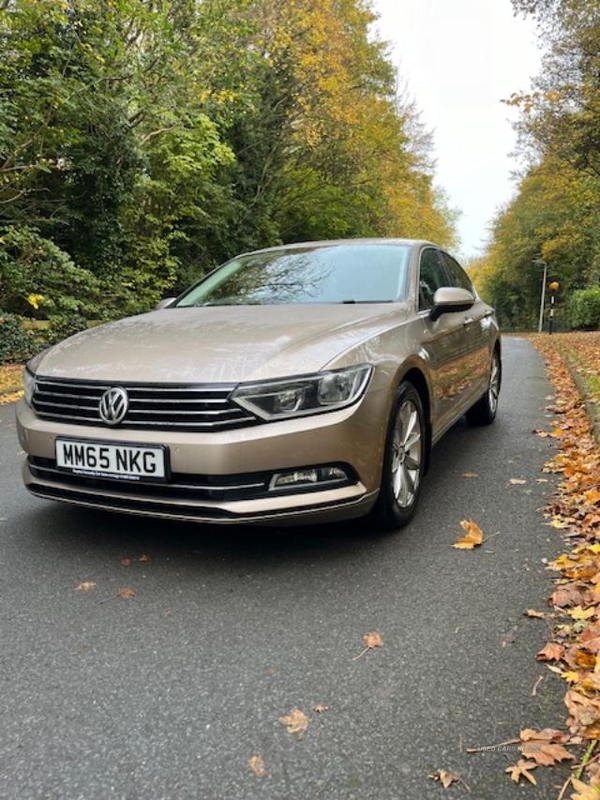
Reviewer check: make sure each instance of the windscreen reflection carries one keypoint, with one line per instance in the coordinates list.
(368, 273)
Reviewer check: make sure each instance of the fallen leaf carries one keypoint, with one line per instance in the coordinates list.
(319, 708)
(545, 747)
(581, 613)
(551, 652)
(125, 562)
(372, 639)
(295, 722)
(126, 594)
(585, 791)
(472, 538)
(257, 765)
(145, 557)
(517, 481)
(85, 586)
(522, 770)
(445, 778)
(470, 475)
(532, 613)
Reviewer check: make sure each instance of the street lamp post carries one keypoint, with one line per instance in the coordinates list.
(542, 263)
(554, 287)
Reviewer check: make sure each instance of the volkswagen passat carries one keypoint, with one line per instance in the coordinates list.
(295, 384)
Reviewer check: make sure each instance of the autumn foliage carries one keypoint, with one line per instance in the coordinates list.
(573, 364)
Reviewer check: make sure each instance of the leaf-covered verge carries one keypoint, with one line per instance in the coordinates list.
(11, 385)
(573, 652)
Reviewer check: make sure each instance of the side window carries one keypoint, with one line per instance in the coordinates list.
(458, 275)
(432, 275)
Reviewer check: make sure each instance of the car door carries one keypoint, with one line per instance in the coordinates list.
(477, 330)
(445, 345)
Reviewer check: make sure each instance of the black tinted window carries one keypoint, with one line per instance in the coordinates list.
(432, 275)
(457, 273)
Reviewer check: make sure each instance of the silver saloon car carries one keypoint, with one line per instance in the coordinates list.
(304, 383)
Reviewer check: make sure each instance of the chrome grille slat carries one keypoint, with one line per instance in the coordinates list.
(66, 405)
(170, 407)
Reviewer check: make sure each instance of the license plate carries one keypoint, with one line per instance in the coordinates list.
(104, 459)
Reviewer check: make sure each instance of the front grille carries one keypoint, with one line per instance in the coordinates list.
(151, 406)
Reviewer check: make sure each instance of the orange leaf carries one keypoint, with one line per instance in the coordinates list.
(472, 538)
(551, 652)
(372, 639)
(126, 594)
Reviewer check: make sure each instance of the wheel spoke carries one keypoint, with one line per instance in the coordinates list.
(411, 462)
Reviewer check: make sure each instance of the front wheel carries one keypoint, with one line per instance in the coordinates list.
(484, 411)
(404, 460)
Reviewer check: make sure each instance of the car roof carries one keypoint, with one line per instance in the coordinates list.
(337, 242)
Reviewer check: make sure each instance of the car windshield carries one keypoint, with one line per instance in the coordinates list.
(346, 273)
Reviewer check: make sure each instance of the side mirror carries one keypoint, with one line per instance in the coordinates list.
(448, 299)
(166, 302)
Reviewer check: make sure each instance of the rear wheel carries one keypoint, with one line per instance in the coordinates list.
(404, 460)
(484, 411)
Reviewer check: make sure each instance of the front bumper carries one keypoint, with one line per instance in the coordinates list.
(203, 463)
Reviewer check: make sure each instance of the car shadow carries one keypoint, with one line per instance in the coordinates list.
(72, 530)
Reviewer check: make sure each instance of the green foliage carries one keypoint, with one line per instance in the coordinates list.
(555, 215)
(584, 309)
(16, 345)
(141, 143)
(38, 280)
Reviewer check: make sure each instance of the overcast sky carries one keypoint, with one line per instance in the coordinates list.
(459, 58)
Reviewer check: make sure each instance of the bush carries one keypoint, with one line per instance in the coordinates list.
(62, 326)
(16, 345)
(39, 280)
(584, 309)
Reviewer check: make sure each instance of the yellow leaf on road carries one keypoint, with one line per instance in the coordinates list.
(85, 586)
(581, 613)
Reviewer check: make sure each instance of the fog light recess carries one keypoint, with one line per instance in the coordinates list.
(317, 477)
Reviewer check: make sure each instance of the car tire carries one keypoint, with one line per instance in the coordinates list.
(485, 409)
(403, 462)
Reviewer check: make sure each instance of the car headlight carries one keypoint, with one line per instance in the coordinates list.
(307, 394)
(28, 385)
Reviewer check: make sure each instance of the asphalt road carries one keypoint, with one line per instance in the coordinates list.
(170, 693)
